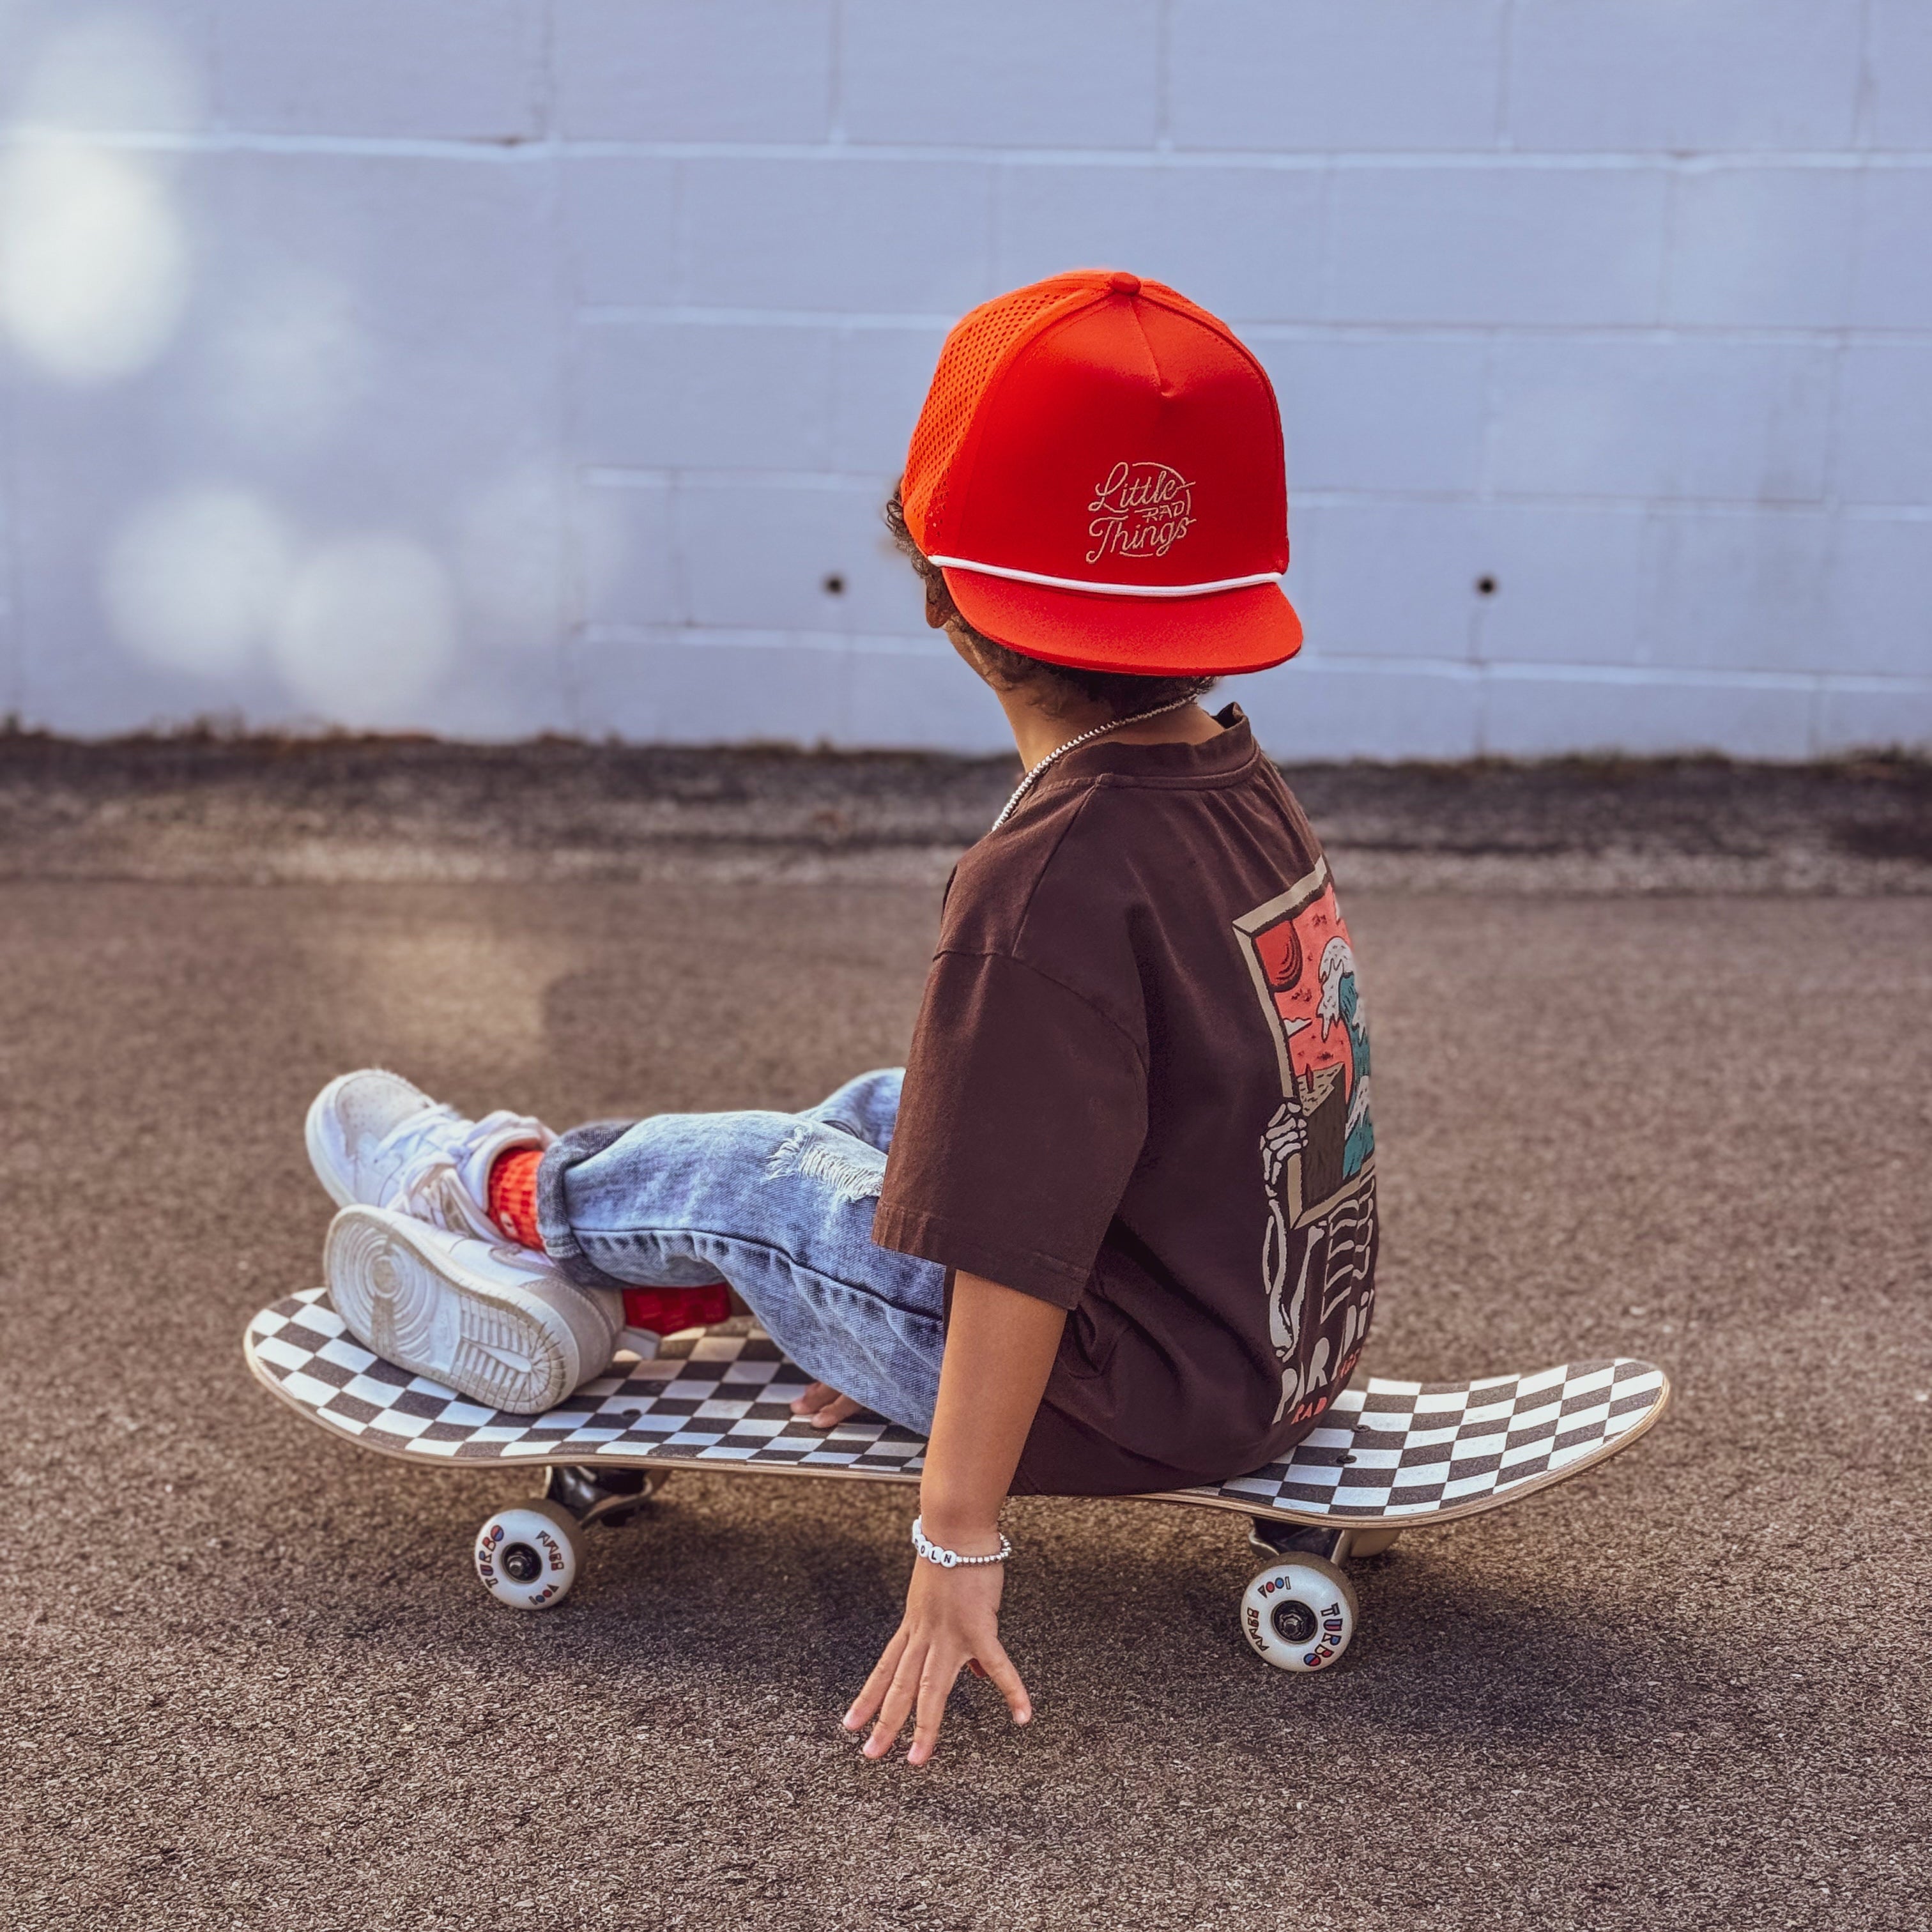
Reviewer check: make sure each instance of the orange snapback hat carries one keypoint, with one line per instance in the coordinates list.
(1098, 473)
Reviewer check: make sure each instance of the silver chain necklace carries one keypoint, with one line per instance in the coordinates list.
(1073, 745)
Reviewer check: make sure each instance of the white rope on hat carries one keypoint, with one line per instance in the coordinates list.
(1109, 590)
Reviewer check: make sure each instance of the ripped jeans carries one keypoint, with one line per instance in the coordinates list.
(778, 1205)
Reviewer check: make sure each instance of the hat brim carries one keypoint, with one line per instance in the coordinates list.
(1220, 634)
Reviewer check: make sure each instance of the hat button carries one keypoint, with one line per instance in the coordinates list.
(1122, 283)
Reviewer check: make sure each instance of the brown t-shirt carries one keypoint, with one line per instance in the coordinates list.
(1139, 1089)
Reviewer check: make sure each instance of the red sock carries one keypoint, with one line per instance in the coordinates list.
(513, 1195)
(513, 1207)
(664, 1311)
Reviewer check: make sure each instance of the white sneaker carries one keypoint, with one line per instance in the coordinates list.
(495, 1322)
(375, 1138)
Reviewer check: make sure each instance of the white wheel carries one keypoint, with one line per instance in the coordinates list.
(526, 1555)
(1299, 1612)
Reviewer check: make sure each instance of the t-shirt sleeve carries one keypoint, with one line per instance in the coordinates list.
(1023, 1113)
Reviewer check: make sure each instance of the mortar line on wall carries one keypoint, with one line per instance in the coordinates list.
(842, 482)
(1324, 259)
(1504, 670)
(571, 589)
(1491, 380)
(1505, 76)
(217, 71)
(1885, 513)
(1835, 508)
(1793, 336)
(681, 314)
(996, 210)
(1814, 720)
(1666, 255)
(516, 150)
(682, 600)
(545, 102)
(725, 637)
(835, 79)
(1627, 677)
(681, 249)
(826, 482)
(1831, 498)
(617, 314)
(1512, 670)
(1163, 72)
(1865, 86)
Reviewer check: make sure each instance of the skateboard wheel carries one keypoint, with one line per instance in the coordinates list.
(1299, 1612)
(526, 1555)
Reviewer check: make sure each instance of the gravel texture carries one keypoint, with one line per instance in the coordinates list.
(337, 811)
(246, 1679)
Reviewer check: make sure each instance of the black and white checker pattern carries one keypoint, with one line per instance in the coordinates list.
(726, 1401)
(1390, 1451)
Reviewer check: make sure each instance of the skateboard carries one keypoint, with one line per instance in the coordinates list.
(1387, 1456)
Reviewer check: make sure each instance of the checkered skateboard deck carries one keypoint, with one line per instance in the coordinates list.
(1388, 1454)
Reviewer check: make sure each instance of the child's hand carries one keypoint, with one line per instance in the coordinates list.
(951, 1619)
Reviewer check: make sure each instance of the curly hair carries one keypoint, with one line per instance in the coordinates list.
(1057, 688)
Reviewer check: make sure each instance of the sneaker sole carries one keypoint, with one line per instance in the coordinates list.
(419, 1307)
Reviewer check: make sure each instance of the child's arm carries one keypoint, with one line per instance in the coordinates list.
(999, 1347)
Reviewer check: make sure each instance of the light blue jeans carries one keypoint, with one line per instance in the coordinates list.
(780, 1206)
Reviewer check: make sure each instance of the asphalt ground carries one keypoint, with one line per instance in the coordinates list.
(247, 1678)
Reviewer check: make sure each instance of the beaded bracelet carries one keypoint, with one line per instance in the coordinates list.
(951, 1559)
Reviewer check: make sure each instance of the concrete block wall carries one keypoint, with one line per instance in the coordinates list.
(497, 366)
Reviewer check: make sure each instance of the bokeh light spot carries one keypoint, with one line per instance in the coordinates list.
(93, 269)
(195, 581)
(368, 628)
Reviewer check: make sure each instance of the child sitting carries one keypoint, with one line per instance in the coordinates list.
(1114, 1229)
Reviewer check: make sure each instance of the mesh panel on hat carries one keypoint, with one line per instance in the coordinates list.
(978, 342)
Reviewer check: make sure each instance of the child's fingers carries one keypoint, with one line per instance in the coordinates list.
(823, 1406)
(873, 1689)
(897, 1706)
(840, 1409)
(935, 1686)
(995, 1662)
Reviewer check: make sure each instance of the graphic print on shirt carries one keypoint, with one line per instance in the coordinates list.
(1319, 1151)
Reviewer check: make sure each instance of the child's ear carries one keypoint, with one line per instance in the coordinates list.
(935, 617)
(968, 655)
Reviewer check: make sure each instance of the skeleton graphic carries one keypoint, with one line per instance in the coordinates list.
(1337, 1252)
(1317, 1148)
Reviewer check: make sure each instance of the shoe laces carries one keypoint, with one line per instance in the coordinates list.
(436, 1154)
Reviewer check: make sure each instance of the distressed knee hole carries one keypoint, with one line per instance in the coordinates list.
(852, 1170)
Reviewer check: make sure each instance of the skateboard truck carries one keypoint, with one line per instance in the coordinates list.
(1270, 1537)
(600, 1495)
